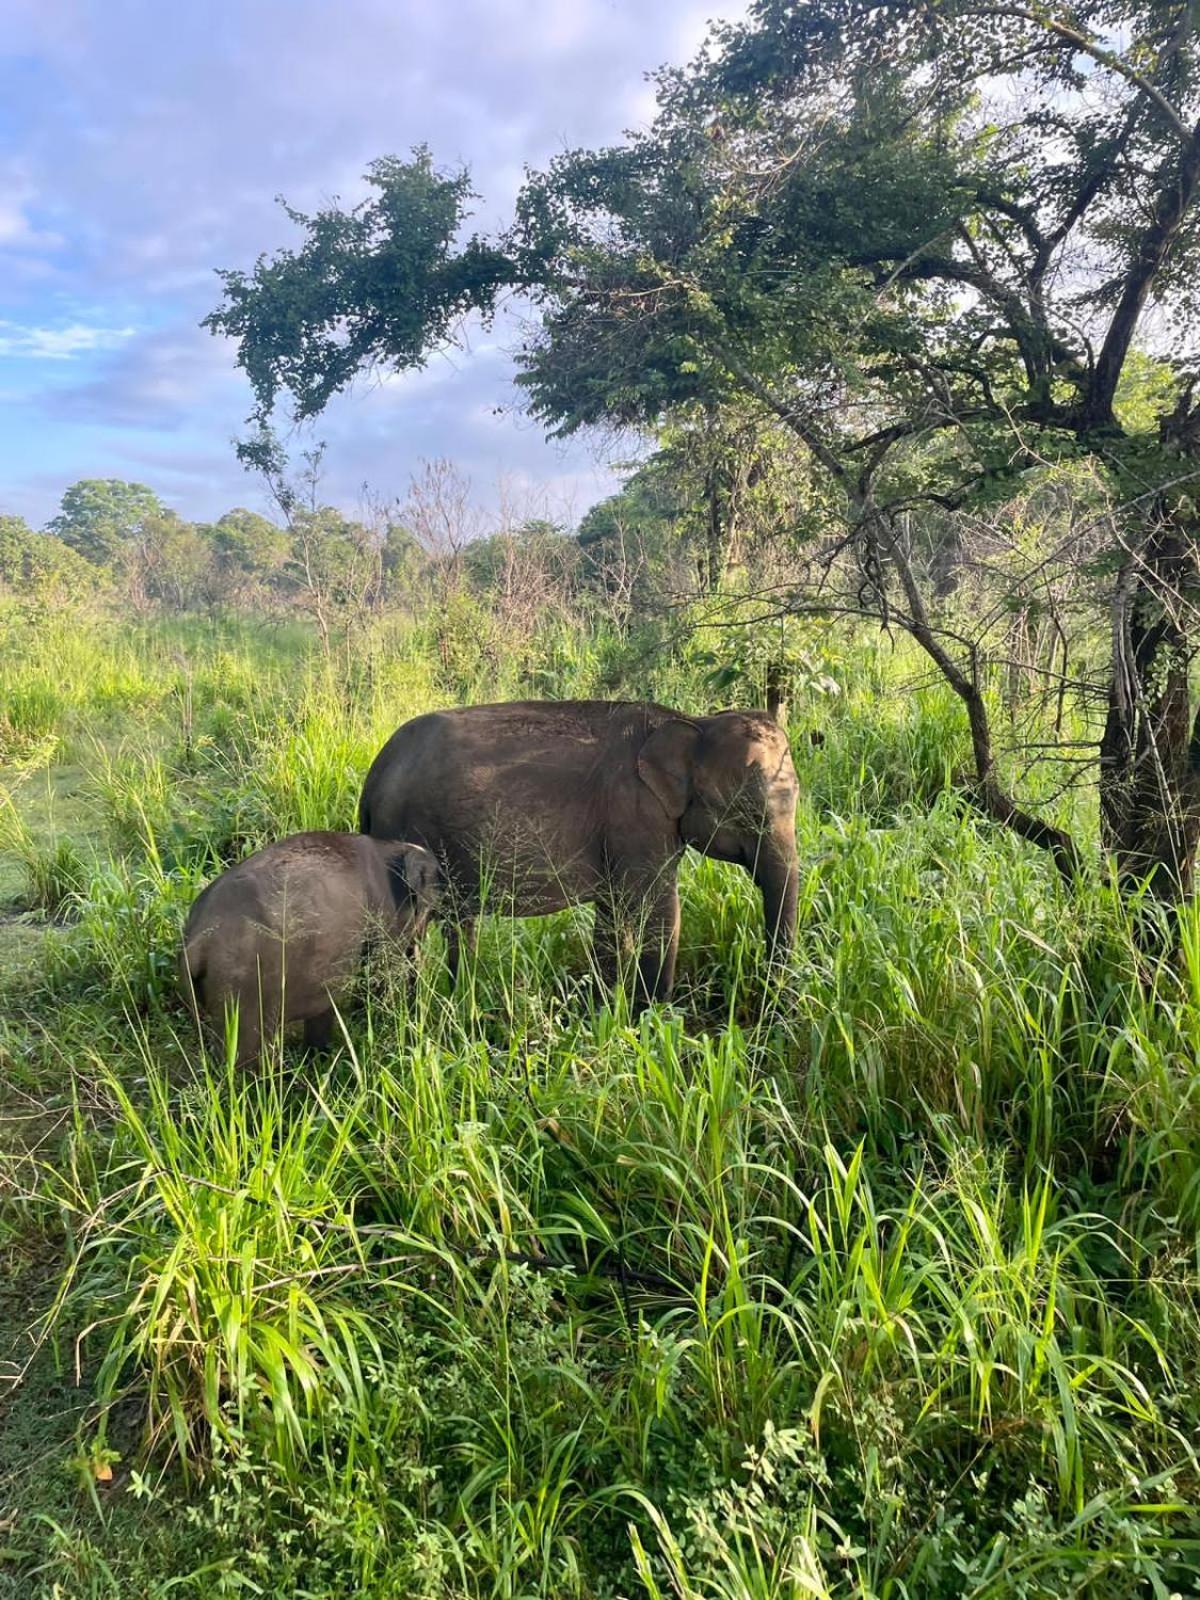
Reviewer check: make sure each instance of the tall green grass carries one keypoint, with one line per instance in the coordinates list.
(873, 1277)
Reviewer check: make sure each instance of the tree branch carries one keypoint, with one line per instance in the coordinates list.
(1175, 197)
(988, 795)
(795, 420)
(1106, 58)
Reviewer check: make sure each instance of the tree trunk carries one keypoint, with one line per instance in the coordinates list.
(718, 532)
(988, 794)
(776, 685)
(1150, 751)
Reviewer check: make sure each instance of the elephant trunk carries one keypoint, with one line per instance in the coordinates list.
(777, 875)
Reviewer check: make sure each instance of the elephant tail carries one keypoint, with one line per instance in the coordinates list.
(364, 816)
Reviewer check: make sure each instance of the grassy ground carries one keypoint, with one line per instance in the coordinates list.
(875, 1278)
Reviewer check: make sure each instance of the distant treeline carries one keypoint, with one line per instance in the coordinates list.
(117, 539)
(685, 520)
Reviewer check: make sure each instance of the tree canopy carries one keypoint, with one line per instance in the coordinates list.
(103, 518)
(381, 282)
(887, 222)
(35, 562)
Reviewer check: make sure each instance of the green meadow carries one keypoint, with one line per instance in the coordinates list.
(874, 1276)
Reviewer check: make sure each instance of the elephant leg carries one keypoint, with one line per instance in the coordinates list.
(609, 940)
(249, 1029)
(319, 1031)
(459, 934)
(639, 938)
(658, 943)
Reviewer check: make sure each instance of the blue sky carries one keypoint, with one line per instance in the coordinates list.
(142, 144)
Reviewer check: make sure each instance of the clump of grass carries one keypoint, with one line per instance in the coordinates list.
(703, 1274)
(30, 716)
(53, 870)
(125, 933)
(307, 773)
(234, 1235)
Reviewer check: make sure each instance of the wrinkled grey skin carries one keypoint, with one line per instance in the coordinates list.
(282, 933)
(535, 805)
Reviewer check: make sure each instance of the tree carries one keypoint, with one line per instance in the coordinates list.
(935, 292)
(739, 485)
(172, 564)
(335, 567)
(250, 551)
(440, 516)
(629, 542)
(925, 237)
(525, 572)
(402, 559)
(37, 565)
(102, 518)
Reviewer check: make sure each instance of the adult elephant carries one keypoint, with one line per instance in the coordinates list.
(535, 805)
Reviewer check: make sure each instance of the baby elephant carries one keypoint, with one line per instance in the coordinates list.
(283, 932)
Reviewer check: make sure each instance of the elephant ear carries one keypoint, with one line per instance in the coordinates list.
(665, 765)
(412, 873)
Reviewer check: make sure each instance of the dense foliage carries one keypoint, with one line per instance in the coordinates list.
(315, 561)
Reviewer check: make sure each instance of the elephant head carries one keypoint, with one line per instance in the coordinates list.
(729, 782)
(414, 880)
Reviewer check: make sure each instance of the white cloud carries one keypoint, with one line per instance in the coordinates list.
(160, 380)
(59, 344)
(14, 225)
(17, 229)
